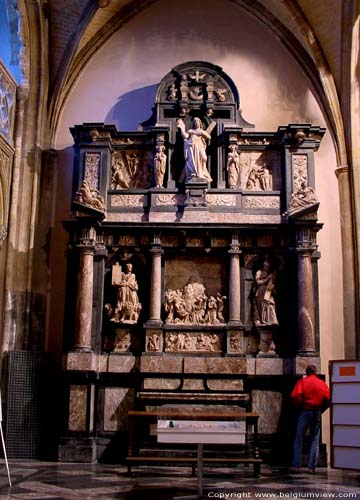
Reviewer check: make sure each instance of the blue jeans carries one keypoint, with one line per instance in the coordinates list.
(312, 419)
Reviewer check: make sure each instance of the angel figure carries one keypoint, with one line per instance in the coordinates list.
(195, 150)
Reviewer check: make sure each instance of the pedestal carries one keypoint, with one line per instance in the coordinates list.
(195, 190)
(266, 344)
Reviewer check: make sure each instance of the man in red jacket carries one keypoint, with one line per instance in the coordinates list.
(312, 396)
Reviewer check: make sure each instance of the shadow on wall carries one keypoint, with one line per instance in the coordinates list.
(132, 108)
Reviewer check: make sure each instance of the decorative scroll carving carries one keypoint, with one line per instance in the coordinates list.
(221, 200)
(127, 307)
(92, 167)
(131, 169)
(169, 199)
(90, 197)
(194, 342)
(261, 202)
(7, 104)
(127, 200)
(191, 306)
(300, 171)
(159, 166)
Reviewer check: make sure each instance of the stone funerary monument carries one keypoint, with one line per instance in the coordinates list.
(192, 263)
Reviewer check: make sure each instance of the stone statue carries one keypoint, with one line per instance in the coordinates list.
(233, 166)
(304, 197)
(159, 166)
(264, 301)
(90, 197)
(195, 150)
(128, 307)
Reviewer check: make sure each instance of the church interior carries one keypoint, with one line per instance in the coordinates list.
(179, 193)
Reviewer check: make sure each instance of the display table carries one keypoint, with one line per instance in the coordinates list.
(137, 420)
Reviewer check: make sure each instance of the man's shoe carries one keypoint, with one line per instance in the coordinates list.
(294, 470)
(311, 471)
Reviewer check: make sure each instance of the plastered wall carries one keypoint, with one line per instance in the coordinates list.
(273, 91)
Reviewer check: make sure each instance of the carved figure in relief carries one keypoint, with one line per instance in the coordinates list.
(90, 197)
(153, 342)
(195, 150)
(233, 166)
(172, 92)
(220, 299)
(192, 306)
(235, 344)
(120, 178)
(122, 341)
(260, 178)
(302, 198)
(160, 166)
(264, 300)
(170, 342)
(265, 178)
(128, 307)
(211, 315)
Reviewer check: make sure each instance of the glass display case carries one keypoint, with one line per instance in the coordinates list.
(201, 424)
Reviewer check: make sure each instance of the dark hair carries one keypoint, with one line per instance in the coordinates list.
(310, 370)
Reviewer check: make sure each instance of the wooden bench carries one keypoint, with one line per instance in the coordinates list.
(150, 417)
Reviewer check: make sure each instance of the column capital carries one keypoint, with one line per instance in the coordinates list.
(341, 169)
(234, 249)
(86, 246)
(156, 249)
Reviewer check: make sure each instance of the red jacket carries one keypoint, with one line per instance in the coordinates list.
(311, 393)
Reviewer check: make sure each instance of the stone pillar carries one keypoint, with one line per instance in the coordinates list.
(306, 303)
(84, 297)
(155, 287)
(234, 282)
(349, 273)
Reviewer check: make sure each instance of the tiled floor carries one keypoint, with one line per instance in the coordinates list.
(60, 481)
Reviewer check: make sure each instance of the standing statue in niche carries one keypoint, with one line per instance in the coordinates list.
(195, 142)
(264, 299)
(160, 166)
(233, 166)
(127, 307)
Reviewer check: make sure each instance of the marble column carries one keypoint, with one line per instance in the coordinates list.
(155, 287)
(234, 284)
(306, 302)
(84, 298)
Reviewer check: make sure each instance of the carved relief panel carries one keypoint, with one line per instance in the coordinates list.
(259, 171)
(132, 169)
